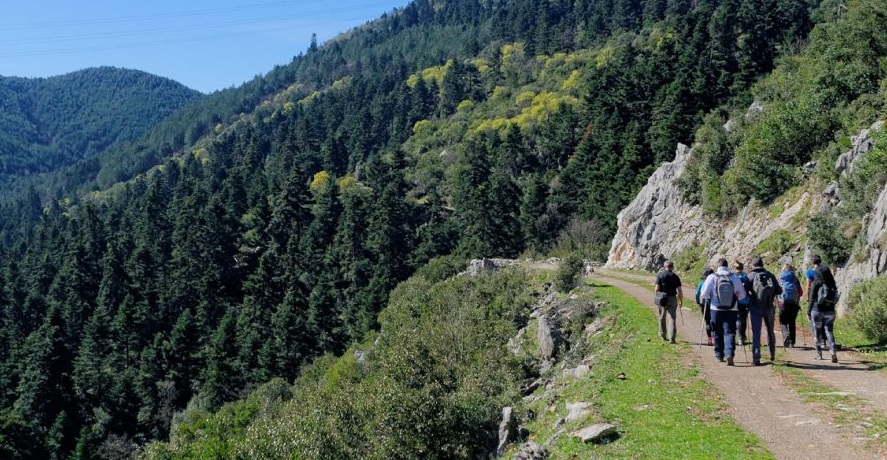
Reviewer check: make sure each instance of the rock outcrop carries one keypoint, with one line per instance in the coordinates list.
(657, 224)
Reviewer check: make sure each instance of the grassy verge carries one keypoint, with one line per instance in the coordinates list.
(663, 408)
(848, 411)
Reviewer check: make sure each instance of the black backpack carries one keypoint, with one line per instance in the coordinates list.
(826, 298)
(765, 288)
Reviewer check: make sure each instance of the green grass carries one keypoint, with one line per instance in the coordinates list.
(849, 412)
(663, 409)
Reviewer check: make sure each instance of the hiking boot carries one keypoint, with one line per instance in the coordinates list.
(818, 356)
(672, 341)
(834, 357)
(719, 358)
(772, 357)
(756, 362)
(729, 360)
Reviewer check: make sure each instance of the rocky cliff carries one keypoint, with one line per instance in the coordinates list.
(659, 225)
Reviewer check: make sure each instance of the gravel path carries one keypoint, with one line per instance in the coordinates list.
(759, 400)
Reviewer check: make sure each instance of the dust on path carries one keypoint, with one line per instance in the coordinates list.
(758, 400)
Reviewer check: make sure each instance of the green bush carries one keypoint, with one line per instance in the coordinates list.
(825, 234)
(868, 309)
(777, 243)
(441, 268)
(568, 273)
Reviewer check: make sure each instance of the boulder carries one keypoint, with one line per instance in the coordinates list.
(531, 451)
(578, 410)
(547, 337)
(599, 432)
(507, 429)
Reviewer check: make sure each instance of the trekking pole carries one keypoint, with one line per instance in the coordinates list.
(702, 330)
(681, 311)
(744, 352)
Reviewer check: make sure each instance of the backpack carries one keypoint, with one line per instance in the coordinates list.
(826, 298)
(746, 284)
(699, 293)
(724, 291)
(789, 287)
(765, 288)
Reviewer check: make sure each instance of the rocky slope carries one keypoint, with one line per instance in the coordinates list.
(659, 225)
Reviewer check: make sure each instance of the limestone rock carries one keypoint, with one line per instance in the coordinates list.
(870, 256)
(547, 337)
(578, 410)
(507, 429)
(595, 433)
(862, 144)
(531, 451)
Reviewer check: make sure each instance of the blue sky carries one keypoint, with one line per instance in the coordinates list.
(206, 45)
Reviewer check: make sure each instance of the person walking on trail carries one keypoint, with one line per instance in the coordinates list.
(723, 290)
(704, 305)
(742, 320)
(668, 285)
(823, 296)
(789, 304)
(764, 290)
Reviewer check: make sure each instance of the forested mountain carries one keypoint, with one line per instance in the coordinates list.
(50, 123)
(220, 251)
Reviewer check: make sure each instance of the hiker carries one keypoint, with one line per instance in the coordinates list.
(724, 290)
(821, 306)
(763, 293)
(816, 332)
(742, 320)
(789, 304)
(668, 288)
(704, 304)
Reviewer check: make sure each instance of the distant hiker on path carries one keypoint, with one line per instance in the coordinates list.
(742, 320)
(724, 290)
(668, 288)
(704, 305)
(764, 290)
(789, 304)
(823, 298)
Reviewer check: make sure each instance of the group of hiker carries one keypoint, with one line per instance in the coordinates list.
(729, 299)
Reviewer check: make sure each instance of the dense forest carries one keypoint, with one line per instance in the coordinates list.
(50, 123)
(264, 226)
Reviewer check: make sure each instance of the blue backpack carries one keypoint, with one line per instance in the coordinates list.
(746, 284)
(789, 287)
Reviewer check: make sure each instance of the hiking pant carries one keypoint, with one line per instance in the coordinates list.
(824, 323)
(723, 331)
(706, 319)
(768, 315)
(788, 314)
(742, 322)
(669, 310)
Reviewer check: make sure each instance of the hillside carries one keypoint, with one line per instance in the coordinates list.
(51, 123)
(802, 171)
(264, 227)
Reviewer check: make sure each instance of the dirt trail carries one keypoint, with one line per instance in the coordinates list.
(758, 400)
(852, 374)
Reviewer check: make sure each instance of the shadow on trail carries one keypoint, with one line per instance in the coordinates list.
(826, 365)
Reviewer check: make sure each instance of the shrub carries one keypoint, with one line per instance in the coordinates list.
(825, 234)
(441, 268)
(777, 243)
(568, 273)
(868, 308)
